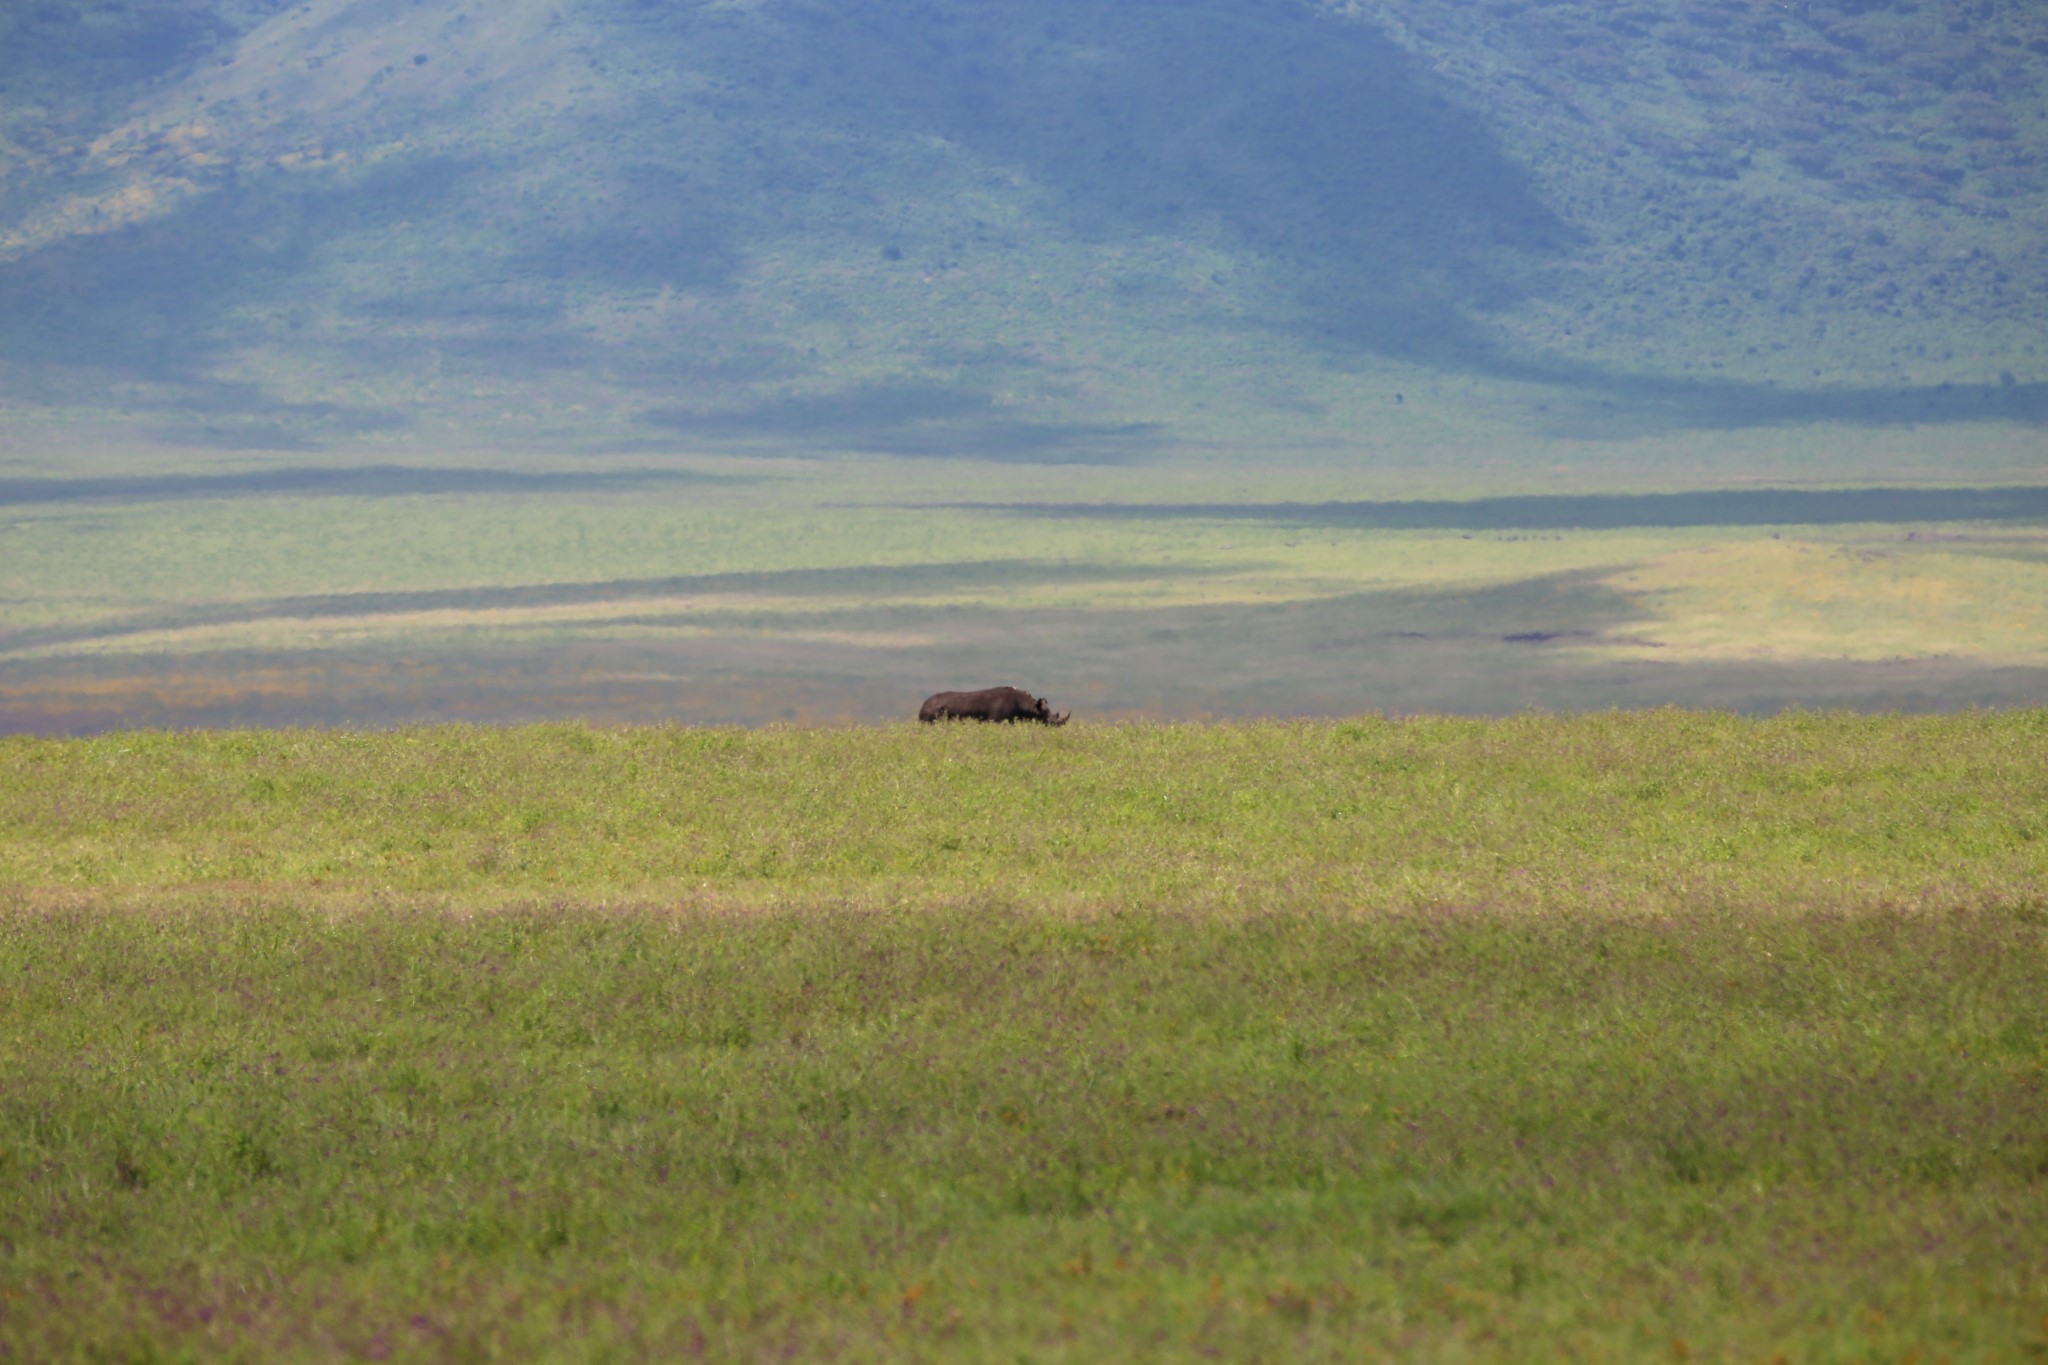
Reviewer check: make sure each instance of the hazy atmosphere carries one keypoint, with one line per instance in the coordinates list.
(370, 361)
(1516, 532)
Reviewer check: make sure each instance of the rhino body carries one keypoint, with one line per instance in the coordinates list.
(991, 703)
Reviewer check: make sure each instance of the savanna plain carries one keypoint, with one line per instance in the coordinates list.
(1619, 1036)
(1818, 565)
(1537, 512)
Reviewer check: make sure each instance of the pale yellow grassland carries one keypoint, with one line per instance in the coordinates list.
(1864, 599)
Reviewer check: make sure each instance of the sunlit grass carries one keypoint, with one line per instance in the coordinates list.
(1621, 1037)
(1367, 814)
(1873, 597)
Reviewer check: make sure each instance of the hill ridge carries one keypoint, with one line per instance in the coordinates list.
(927, 227)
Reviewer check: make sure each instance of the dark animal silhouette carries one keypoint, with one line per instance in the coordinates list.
(991, 703)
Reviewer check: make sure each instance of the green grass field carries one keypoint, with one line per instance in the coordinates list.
(1632, 1036)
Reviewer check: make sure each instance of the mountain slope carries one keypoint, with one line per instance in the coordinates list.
(1071, 229)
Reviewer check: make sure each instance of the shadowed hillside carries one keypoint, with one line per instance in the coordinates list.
(1071, 230)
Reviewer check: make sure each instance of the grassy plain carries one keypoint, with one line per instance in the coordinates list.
(1808, 568)
(1617, 1037)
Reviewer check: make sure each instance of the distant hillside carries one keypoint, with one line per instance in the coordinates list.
(1064, 229)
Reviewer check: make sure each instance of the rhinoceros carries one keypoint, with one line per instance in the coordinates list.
(991, 703)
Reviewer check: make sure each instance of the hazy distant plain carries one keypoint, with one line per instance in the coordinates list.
(756, 590)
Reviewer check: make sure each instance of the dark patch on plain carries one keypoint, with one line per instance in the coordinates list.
(1544, 637)
(366, 481)
(1597, 511)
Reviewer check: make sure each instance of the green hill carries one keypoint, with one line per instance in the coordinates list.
(1070, 230)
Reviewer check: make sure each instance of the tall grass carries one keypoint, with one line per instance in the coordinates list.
(1646, 812)
(1620, 1037)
